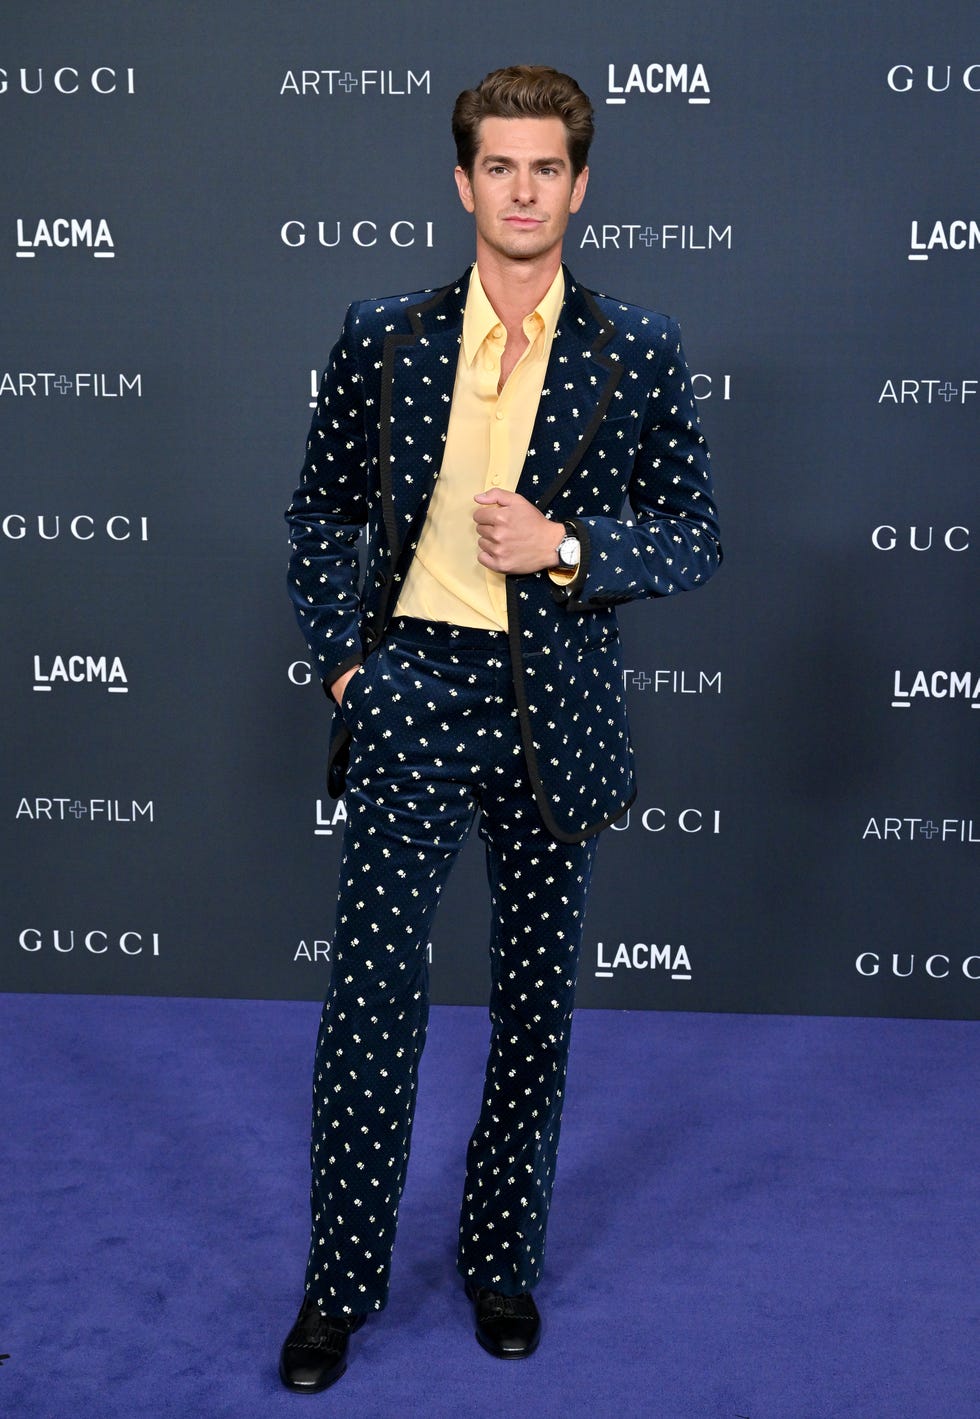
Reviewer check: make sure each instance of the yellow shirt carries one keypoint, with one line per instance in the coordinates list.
(486, 445)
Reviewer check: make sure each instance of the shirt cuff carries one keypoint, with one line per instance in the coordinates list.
(561, 576)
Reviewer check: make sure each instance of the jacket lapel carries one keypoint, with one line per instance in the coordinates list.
(578, 385)
(418, 374)
(417, 378)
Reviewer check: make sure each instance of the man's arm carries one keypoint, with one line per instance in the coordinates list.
(673, 543)
(326, 515)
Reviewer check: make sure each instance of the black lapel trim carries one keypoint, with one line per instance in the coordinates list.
(520, 693)
(615, 370)
(606, 329)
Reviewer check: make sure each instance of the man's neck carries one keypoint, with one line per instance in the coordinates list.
(515, 288)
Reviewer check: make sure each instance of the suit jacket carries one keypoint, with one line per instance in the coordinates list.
(616, 421)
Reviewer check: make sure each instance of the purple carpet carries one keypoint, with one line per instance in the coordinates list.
(757, 1216)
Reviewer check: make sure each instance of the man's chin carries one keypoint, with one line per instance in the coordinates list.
(525, 246)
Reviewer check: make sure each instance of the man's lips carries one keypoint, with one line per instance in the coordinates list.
(519, 221)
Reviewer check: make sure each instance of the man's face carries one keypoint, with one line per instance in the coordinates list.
(521, 189)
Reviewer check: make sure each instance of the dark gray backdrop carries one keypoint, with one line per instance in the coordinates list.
(805, 838)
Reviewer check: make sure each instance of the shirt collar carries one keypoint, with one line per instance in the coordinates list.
(479, 316)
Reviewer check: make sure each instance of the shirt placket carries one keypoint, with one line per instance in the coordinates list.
(497, 443)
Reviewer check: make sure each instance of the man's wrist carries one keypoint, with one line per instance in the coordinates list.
(565, 568)
(555, 559)
(338, 685)
(569, 550)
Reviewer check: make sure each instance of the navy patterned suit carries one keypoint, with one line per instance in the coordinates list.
(528, 730)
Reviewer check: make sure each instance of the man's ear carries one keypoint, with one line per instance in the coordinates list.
(578, 190)
(464, 188)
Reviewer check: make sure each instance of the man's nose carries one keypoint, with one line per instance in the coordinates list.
(522, 188)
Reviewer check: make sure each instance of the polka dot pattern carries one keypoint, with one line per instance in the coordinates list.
(616, 432)
(436, 745)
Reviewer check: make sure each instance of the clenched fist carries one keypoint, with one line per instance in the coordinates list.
(513, 535)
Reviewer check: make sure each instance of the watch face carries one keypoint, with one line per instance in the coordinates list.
(569, 552)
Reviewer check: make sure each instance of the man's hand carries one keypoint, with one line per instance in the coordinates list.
(340, 684)
(514, 535)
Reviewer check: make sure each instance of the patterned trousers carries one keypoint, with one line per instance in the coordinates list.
(436, 743)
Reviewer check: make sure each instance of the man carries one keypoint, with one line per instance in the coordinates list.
(486, 435)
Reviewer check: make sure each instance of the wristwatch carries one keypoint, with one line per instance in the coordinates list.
(569, 550)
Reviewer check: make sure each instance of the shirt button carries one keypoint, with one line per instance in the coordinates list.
(498, 415)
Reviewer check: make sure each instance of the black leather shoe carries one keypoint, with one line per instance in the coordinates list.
(506, 1326)
(314, 1353)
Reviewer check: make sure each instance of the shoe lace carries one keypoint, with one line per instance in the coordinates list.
(319, 1327)
(512, 1307)
(335, 1325)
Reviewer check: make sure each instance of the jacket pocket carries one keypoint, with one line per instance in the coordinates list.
(352, 704)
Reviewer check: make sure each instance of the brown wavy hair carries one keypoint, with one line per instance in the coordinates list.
(524, 91)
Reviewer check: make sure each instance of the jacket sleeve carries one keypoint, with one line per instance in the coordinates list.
(327, 514)
(671, 544)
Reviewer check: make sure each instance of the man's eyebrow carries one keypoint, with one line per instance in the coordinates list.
(536, 162)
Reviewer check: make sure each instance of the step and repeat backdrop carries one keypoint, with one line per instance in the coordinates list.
(193, 195)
